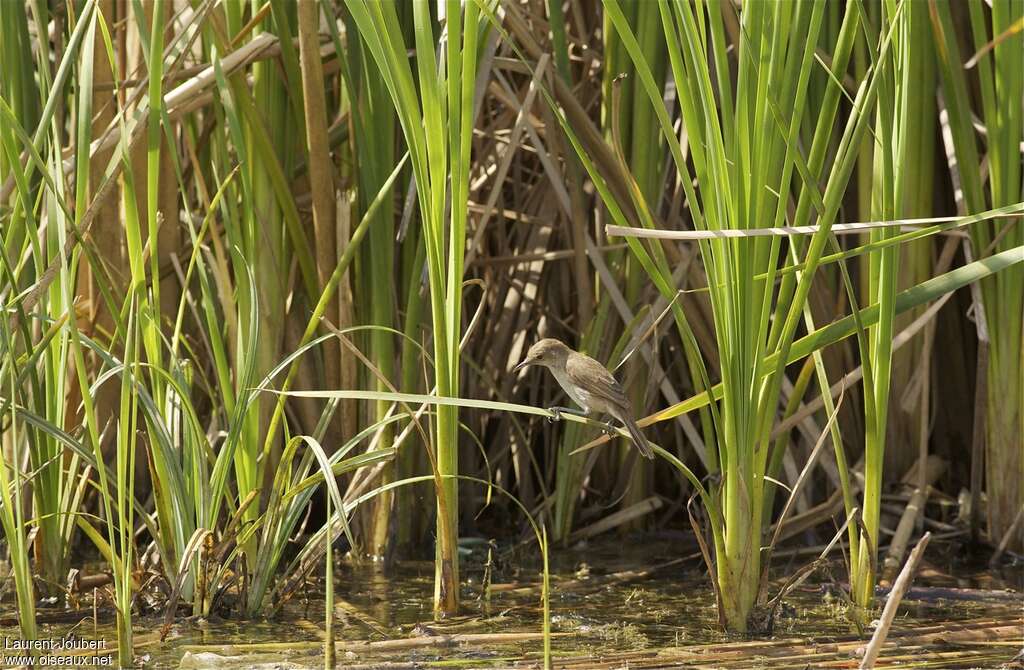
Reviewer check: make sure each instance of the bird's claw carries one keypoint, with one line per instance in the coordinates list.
(610, 430)
(555, 415)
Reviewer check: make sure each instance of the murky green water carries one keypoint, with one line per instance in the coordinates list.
(599, 613)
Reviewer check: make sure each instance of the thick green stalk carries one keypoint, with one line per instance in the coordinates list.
(887, 188)
(411, 527)
(374, 142)
(437, 124)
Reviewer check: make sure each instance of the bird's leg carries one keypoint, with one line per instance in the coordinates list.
(557, 412)
(610, 430)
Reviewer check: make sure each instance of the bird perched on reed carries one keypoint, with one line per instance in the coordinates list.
(589, 385)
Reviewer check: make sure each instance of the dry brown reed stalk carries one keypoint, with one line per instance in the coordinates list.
(903, 582)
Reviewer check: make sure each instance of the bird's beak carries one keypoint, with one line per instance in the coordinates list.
(526, 361)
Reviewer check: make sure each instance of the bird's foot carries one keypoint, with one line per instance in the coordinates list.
(556, 414)
(610, 430)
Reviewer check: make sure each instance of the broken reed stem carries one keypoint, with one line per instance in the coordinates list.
(892, 604)
(1007, 538)
(898, 546)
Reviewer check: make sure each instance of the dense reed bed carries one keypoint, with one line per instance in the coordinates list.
(267, 268)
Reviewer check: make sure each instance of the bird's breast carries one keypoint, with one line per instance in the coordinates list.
(571, 389)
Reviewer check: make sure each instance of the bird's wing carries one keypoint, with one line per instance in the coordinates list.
(592, 377)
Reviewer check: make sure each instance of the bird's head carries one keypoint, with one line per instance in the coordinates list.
(547, 352)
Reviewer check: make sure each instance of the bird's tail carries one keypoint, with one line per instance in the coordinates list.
(638, 438)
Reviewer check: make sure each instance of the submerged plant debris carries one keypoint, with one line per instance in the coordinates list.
(602, 614)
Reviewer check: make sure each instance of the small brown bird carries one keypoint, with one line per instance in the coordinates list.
(589, 385)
